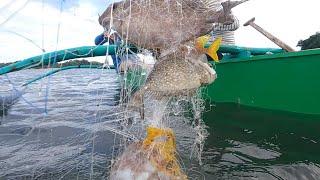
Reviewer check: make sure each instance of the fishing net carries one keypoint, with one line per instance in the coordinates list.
(77, 123)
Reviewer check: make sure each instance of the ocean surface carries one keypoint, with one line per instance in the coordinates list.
(60, 129)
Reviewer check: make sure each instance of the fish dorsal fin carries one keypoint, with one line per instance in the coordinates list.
(203, 5)
(212, 4)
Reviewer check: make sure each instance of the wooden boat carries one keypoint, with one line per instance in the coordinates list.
(285, 81)
(257, 77)
(266, 78)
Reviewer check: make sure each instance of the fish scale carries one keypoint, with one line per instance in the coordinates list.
(152, 25)
(173, 75)
(160, 24)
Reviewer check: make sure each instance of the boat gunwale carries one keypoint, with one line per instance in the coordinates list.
(309, 52)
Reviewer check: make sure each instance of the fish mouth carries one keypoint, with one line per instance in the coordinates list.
(104, 22)
(213, 76)
(210, 72)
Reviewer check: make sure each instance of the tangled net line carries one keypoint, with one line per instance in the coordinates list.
(182, 114)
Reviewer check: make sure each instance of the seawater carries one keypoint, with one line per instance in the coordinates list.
(58, 130)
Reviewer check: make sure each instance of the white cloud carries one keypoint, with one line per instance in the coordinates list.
(289, 20)
(78, 27)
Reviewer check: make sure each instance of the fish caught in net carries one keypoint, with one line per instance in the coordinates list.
(85, 125)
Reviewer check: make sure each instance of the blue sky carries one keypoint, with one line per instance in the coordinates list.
(39, 22)
(289, 20)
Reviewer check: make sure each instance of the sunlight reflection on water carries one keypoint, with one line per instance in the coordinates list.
(72, 140)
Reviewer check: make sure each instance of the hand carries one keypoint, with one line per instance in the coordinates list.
(106, 34)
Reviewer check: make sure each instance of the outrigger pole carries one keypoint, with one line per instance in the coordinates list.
(93, 51)
(269, 35)
(62, 55)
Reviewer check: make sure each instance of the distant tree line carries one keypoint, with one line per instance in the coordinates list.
(312, 42)
(63, 64)
(77, 62)
(4, 64)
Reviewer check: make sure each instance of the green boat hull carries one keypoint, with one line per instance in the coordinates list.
(285, 81)
(280, 81)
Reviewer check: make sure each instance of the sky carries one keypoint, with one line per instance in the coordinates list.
(59, 24)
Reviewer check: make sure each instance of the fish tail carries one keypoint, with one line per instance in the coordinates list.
(213, 48)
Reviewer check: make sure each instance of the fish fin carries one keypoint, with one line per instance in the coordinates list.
(201, 42)
(141, 110)
(212, 4)
(136, 102)
(228, 5)
(213, 48)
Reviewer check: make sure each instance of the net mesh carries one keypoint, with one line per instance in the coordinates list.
(77, 123)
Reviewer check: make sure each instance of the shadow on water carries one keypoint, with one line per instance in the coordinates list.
(7, 101)
(250, 142)
(73, 142)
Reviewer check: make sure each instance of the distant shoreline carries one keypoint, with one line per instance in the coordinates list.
(64, 64)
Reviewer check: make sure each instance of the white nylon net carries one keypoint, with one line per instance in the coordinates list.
(74, 124)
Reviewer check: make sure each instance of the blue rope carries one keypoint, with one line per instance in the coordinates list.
(25, 100)
(54, 61)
